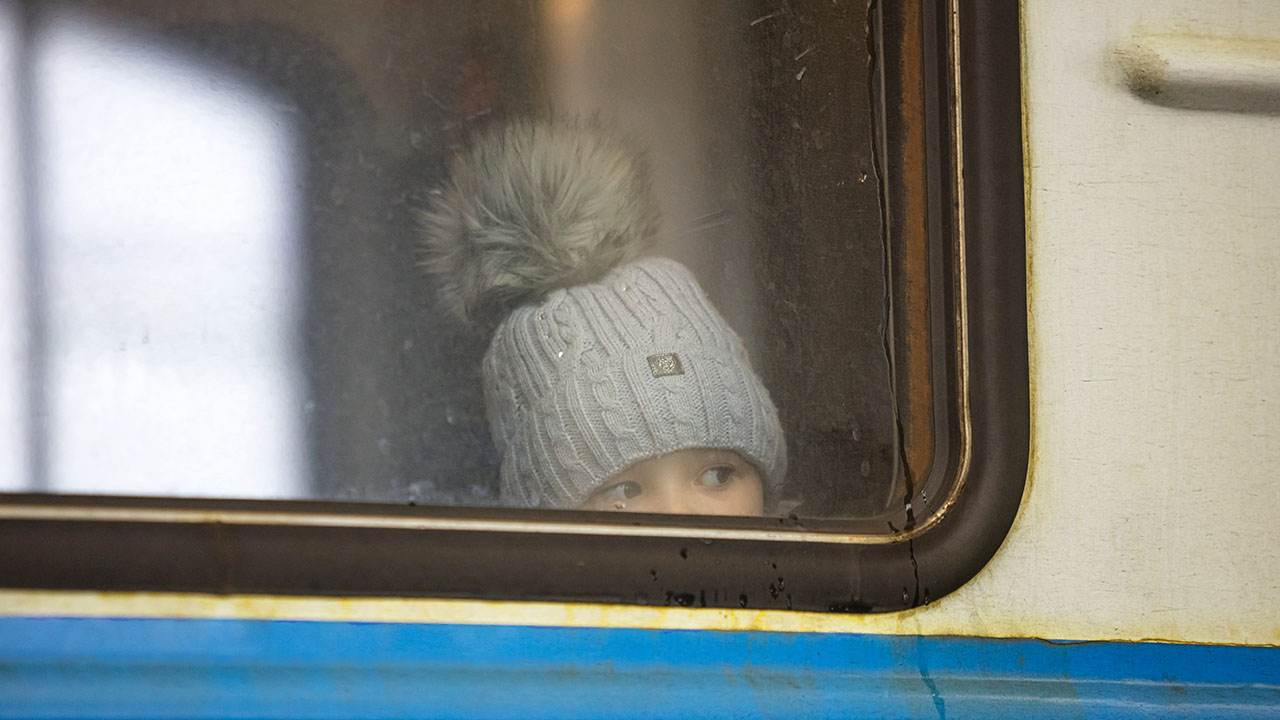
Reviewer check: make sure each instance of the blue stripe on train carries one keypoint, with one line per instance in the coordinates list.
(152, 668)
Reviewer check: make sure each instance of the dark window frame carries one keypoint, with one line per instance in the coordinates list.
(348, 549)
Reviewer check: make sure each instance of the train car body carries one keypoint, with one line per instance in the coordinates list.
(1139, 578)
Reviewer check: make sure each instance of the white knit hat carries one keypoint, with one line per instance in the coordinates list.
(599, 362)
(600, 376)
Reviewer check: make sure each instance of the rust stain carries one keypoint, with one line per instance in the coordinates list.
(914, 243)
(1029, 234)
(920, 621)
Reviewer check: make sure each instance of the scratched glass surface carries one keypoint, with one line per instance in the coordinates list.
(207, 241)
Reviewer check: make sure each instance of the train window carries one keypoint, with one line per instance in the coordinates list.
(245, 265)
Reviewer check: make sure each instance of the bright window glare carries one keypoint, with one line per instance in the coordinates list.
(168, 212)
(13, 347)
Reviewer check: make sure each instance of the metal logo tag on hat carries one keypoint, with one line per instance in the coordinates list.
(665, 364)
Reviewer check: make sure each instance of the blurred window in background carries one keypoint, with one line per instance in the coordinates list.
(154, 238)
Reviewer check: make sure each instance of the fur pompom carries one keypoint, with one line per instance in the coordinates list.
(532, 206)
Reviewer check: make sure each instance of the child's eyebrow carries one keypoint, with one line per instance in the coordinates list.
(724, 455)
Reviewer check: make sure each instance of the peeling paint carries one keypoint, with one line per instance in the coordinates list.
(938, 702)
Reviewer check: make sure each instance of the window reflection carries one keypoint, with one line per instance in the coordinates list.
(213, 287)
(166, 216)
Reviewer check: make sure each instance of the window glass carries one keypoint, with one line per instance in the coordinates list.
(13, 418)
(212, 262)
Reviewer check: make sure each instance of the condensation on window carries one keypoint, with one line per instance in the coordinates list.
(210, 258)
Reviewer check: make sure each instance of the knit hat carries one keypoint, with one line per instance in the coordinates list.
(598, 361)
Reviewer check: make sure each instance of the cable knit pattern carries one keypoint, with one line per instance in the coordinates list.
(572, 398)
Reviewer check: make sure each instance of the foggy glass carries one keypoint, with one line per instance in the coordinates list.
(208, 241)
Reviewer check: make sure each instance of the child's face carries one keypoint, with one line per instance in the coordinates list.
(697, 481)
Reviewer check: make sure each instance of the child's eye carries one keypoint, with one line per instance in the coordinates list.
(621, 492)
(718, 476)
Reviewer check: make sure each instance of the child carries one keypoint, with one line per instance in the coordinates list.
(610, 382)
